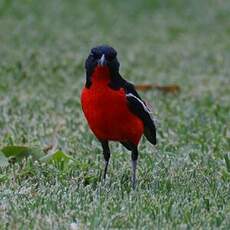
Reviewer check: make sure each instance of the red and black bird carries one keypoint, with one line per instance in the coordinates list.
(113, 108)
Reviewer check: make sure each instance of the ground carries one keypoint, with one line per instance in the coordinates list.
(184, 181)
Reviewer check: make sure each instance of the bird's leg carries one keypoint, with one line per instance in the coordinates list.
(106, 153)
(105, 169)
(134, 158)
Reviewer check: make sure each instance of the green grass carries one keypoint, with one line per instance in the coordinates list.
(184, 182)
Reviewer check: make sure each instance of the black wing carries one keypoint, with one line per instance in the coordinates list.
(137, 106)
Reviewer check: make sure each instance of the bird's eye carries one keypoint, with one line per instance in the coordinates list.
(91, 55)
(95, 55)
(111, 56)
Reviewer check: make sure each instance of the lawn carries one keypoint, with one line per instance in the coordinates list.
(183, 182)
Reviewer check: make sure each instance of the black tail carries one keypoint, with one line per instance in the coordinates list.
(150, 133)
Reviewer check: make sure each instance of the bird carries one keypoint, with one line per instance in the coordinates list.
(113, 109)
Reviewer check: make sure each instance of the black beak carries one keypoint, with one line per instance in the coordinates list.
(102, 61)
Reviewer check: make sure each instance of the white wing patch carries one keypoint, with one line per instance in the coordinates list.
(141, 102)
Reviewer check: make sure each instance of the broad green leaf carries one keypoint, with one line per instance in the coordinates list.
(19, 152)
(57, 156)
(3, 160)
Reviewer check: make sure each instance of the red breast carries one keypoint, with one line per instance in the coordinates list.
(107, 112)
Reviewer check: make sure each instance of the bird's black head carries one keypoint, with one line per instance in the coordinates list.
(101, 56)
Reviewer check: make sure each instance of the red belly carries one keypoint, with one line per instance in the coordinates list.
(108, 115)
